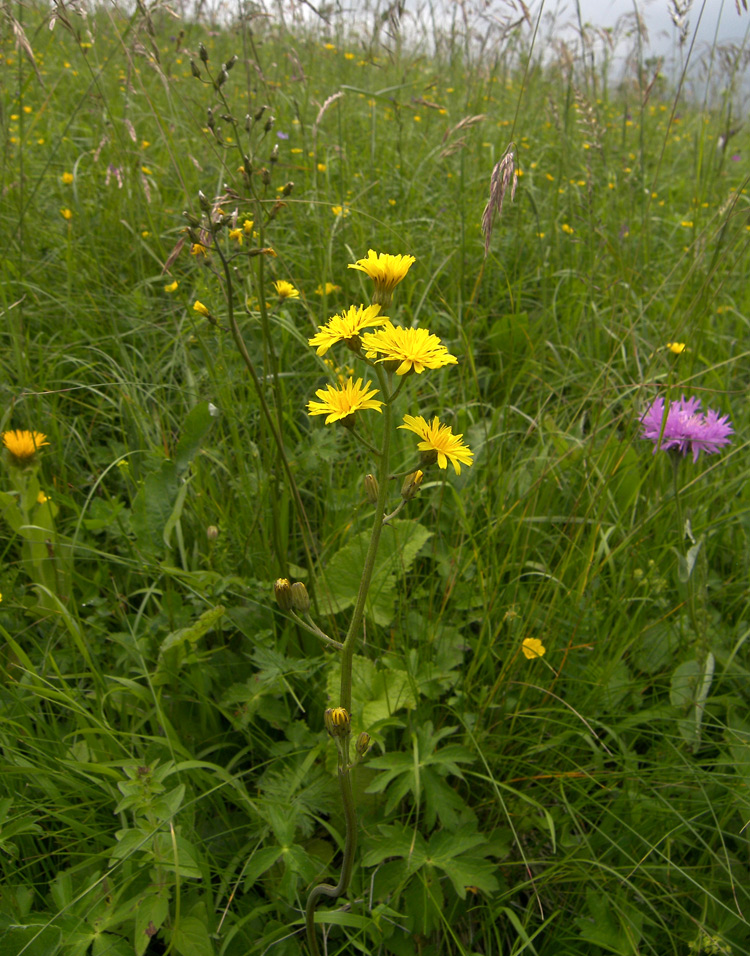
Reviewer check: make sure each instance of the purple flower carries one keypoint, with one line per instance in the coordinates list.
(282, 135)
(686, 428)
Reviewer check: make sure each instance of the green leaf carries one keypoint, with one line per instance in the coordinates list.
(152, 507)
(195, 632)
(194, 429)
(259, 862)
(150, 913)
(107, 944)
(31, 940)
(177, 854)
(190, 938)
(339, 580)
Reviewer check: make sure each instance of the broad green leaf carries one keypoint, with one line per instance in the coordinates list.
(152, 507)
(194, 429)
(339, 579)
(259, 862)
(190, 937)
(195, 632)
(30, 940)
(176, 854)
(150, 913)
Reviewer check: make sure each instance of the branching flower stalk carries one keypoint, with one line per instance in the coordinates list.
(387, 351)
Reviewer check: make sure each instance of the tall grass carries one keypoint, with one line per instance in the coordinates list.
(167, 786)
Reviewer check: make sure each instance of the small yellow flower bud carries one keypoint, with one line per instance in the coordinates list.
(338, 722)
(363, 744)
(411, 485)
(300, 597)
(201, 309)
(371, 489)
(282, 591)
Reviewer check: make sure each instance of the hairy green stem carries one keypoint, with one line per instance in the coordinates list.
(345, 696)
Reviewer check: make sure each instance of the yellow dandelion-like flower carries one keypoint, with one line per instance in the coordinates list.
(66, 214)
(198, 249)
(339, 403)
(327, 289)
(386, 272)
(439, 443)
(201, 309)
(247, 226)
(414, 349)
(676, 347)
(41, 498)
(346, 327)
(23, 445)
(532, 647)
(285, 290)
(172, 287)
(237, 235)
(67, 178)
(340, 210)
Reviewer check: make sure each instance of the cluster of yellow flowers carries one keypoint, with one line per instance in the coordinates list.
(400, 351)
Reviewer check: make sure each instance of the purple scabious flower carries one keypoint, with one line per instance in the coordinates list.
(687, 428)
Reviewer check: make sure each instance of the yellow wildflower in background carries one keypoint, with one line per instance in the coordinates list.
(198, 249)
(329, 288)
(66, 214)
(67, 178)
(532, 647)
(386, 272)
(247, 226)
(285, 290)
(23, 445)
(237, 235)
(41, 498)
(340, 403)
(676, 347)
(439, 443)
(414, 349)
(346, 327)
(200, 308)
(172, 287)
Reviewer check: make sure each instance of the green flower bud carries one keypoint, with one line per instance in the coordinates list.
(363, 744)
(411, 485)
(300, 597)
(338, 722)
(282, 591)
(371, 489)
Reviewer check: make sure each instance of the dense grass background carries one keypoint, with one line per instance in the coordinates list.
(166, 782)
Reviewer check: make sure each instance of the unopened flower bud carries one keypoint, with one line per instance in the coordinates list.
(203, 53)
(194, 69)
(203, 200)
(363, 744)
(191, 219)
(269, 125)
(288, 187)
(282, 591)
(230, 63)
(248, 121)
(411, 485)
(371, 489)
(222, 78)
(300, 597)
(265, 176)
(212, 532)
(338, 722)
(259, 113)
(274, 157)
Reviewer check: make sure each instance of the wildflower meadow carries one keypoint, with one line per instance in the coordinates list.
(374, 484)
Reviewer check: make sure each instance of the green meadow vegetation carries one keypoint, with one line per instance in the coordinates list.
(549, 660)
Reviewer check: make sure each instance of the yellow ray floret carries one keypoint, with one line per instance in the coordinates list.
(346, 327)
(386, 271)
(285, 290)
(23, 445)
(414, 349)
(340, 403)
(439, 443)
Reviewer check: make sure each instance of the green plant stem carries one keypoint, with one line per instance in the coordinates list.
(345, 695)
(350, 845)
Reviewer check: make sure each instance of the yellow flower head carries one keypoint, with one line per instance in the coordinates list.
(676, 347)
(201, 309)
(23, 445)
(327, 289)
(41, 498)
(386, 272)
(172, 287)
(247, 226)
(66, 214)
(67, 178)
(285, 290)
(198, 249)
(237, 234)
(532, 647)
(414, 349)
(346, 327)
(340, 403)
(439, 443)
